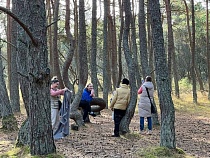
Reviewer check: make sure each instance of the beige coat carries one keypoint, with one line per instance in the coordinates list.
(144, 105)
(121, 98)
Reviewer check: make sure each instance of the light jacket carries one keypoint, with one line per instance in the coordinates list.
(144, 105)
(121, 98)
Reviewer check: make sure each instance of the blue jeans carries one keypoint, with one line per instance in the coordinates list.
(149, 120)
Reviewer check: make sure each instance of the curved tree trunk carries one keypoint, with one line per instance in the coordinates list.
(83, 69)
(70, 54)
(124, 125)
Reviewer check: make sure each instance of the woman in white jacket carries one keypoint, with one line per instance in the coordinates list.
(144, 105)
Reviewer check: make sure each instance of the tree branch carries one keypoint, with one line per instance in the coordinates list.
(5, 10)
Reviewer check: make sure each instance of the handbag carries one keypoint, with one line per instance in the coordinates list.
(153, 110)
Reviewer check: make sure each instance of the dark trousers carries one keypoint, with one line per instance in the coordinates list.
(85, 105)
(118, 115)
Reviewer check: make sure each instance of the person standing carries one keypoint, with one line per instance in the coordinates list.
(87, 96)
(55, 94)
(119, 104)
(144, 105)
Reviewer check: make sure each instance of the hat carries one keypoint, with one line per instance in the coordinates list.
(125, 81)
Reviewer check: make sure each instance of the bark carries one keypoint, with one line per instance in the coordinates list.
(171, 49)
(124, 125)
(9, 47)
(22, 66)
(14, 93)
(9, 122)
(40, 129)
(143, 40)
(162, 77)
(56, 65)
(93, 64)
(150, 47)
(114, 48)
(70, 54)
(193, 55)
(120, 44)
(49, 33)
(105, 55)
(134, 49)
(83, 69)
(155, 120)
(208, 46)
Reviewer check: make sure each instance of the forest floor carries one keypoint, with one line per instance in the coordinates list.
(94, 140)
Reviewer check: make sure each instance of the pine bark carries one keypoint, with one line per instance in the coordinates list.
(124, 125)
(93, 64)
(167, 137)
(40, 129)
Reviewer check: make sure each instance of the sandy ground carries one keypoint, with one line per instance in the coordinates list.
(94, 140)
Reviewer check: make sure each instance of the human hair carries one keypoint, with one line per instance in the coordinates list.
(125, 81)
(148, 79)
(54, 80)
(89, 84)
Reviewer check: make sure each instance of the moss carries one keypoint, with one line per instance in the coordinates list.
(24, 152)
(9, 123)
(163, 152)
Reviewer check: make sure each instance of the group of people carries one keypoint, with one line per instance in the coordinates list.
(121, 99)
(55, 93)
(118, 105)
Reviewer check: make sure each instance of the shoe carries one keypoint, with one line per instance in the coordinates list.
(141, 132)
(92, 114)
(149, 132)
(115, 136)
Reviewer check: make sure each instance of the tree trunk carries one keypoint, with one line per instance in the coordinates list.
(193, 55)
(40, 129)
(83, 69)
(56, 66)
(9, 122)
(23, 134)
(9, 47)
(93, 64)
(134, 49)
(143, 40)
(120, 44)
(208, 45)
(70, 53)
(163, 84)
(114, 48)
(105, 55)
(14, 93)
(124, 125)
(49, 33)
(171, 49)
(150, 46)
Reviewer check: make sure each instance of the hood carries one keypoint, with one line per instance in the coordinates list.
(149, 85)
